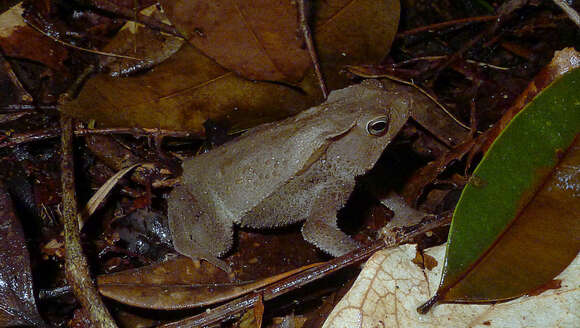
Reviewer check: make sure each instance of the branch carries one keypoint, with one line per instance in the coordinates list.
(76, 267)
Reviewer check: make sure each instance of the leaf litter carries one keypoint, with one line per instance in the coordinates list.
(463, 84)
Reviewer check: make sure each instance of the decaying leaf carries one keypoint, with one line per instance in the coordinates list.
(16, 37)
(259, 40)
(18, 306)
(178, 285)
(516, 225)
(391, 286)
(189, 88)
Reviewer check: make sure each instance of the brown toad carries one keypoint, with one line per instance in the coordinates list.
(300, 168)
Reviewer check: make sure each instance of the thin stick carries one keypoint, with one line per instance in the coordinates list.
(131, 15)
(353, 70)
(437, 58)
(291, 283)
(22, 138)
(76, 266)
(303, 17)
(66, 44)
(22, 93)
(442, 25)
(75, 87)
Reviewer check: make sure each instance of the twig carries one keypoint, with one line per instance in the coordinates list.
(66, 44)
(573, 14)
(443, 57)
(439, 26)
(9, 117)
(12, 108)
(303, 17)
(129, 14)
(291, 283)
(75, 87)
(22, 93)
(504, 11)
(76, 266)
(22, 138)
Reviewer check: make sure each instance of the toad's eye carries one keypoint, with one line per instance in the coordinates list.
(378, 126)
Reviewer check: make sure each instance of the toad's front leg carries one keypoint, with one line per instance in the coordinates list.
(321, 228)
(197, 231)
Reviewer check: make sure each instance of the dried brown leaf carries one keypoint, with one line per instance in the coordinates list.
(140, 287)
(135, 40)
(189, 88)
(259, 40)
(181, 94)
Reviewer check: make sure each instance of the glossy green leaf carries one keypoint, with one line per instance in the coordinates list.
(516, 225)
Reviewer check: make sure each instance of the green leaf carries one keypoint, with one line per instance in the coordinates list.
(516, 225)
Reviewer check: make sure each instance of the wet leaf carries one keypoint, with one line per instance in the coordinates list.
(177, 284)
(390, 287)
(16, 38)
(516, 225)
(18, 306)
(259, 40)
(189, 88)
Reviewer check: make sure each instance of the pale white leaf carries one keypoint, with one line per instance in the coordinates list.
(390, 287)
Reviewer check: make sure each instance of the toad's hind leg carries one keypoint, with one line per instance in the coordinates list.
(197, 232)
(321, 228)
